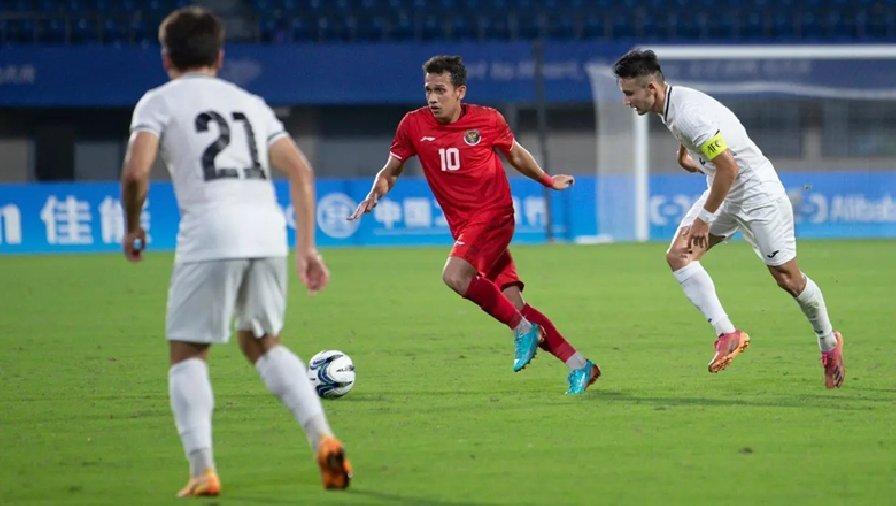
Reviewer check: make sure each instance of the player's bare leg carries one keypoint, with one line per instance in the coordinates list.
(582, 372)
(284, 375)
(464, 279)
(192, 403)
(811, 301)
(684, 260)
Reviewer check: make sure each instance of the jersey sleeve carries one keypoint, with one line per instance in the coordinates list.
(702, 133)
(503, 135)
(402, 145)
(150, 114)
(273, 127)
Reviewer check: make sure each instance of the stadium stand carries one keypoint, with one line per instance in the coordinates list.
(124, 22)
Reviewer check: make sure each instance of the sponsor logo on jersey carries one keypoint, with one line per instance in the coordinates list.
(472, 137)
(427, 138)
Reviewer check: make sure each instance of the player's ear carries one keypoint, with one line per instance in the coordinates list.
(462, 91)
(167, 64)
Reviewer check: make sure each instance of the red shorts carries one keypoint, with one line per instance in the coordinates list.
(484, 245)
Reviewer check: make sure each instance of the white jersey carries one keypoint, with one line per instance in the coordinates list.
(214, 139)
(694, 118)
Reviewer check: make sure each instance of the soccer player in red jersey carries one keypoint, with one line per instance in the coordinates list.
(458, 146)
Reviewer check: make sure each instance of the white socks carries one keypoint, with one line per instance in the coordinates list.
(812, 304)
(284, 375)
(576, 361)
(699, 289)
(522, 327)
(192, 404)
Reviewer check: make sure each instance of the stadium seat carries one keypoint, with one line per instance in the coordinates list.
(135, 21)
(302, 29)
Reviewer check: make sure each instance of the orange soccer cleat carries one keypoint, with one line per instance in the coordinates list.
(335, 469)
(207, 484)
(832, 361)
(728, 346)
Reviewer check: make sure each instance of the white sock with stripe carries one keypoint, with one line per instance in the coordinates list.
(700, 290)
(812, 304)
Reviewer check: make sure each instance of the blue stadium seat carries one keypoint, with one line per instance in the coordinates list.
(431, 27)
(84, 30)
(136, 21)
(401, 25)
(530, 25)
(52, 30)
(461, 27)
(302, 29)
(722, 25)
(594, 26)
(562, 26)
(333, 28)
(495, 27)
(752, 26)
(810, 26)
(114, 31)
(21, 31)
(139, 32)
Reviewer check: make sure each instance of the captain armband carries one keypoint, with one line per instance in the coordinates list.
(714, 147)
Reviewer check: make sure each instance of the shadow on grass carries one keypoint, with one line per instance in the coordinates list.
(353, 495)
(792, 401)
(409, 499)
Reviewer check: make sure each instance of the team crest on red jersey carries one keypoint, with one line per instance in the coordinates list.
(472, 137)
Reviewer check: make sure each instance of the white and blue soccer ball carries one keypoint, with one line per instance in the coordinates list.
(332, 373)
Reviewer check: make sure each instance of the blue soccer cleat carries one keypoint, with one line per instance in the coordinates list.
(582, 378)
(524, 346)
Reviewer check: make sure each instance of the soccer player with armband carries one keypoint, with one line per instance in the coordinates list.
(744, 194)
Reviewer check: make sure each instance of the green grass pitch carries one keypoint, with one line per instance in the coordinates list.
(437, 416)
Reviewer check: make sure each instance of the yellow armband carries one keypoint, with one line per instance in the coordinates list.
(714, 147)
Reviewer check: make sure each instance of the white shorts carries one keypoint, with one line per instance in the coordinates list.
(768, 227)
(205, 297)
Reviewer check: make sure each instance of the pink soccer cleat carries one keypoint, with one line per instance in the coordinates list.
(728, 346)
(832, 361)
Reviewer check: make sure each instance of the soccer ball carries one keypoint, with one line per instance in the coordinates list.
(332, 373)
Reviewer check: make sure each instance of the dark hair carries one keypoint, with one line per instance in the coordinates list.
(192, 37)
(452, 64)
(638, 63)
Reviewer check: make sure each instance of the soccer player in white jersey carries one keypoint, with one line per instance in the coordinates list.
(218, 143)
(744, 194)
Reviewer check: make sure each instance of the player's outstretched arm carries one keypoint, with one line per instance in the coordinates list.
(383, 182)
(288, 158)
(523, 161)
(141, 153)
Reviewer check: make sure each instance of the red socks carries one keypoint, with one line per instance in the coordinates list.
(484, 293)
(553, 340)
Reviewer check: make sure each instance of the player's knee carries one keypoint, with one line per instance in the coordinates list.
(788, 283)
(457, 281)
(677, 258)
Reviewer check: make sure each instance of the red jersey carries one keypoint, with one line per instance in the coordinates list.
(459, 161)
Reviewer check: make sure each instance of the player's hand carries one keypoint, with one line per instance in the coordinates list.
(365, 206)
(312, 270)
(686, 162)
(562, 181)
(698, 235)
(133, 244)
